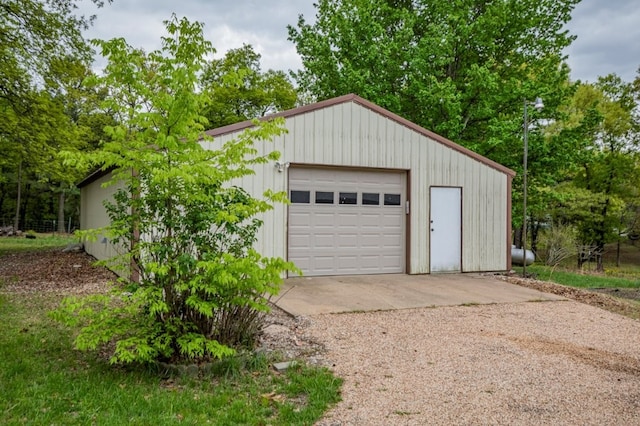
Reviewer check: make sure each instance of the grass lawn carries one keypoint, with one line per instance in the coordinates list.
(43, 381)
(626, 275)
(587, 280)
(41, 242)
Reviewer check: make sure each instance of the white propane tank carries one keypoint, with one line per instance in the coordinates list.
(517, 256)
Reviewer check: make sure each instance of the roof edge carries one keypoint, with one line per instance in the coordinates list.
(375, 108)
(351, 97)
(230, 128)
(94, 176)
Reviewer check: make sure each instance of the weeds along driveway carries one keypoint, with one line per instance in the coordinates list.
(559, 362)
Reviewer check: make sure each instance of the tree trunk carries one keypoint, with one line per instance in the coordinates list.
(16, 220)
(599, 256)
(61, 210)
(517, 237)
(601, 228)
(3, 192)
(25, 202)
(535, 231)
(601, 234)
(134, 273)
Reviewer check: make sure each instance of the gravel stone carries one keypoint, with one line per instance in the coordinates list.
(560, 363)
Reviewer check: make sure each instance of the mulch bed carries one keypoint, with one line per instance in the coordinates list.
(52, 271)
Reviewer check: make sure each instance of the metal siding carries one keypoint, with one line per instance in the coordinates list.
(420, 156)
(484, 212)
(93, 215)
(270, 236)
(469, 204)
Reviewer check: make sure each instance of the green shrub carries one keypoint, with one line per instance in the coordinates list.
(557, 244)
(201, 290)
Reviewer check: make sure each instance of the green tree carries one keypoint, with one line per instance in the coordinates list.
(35, 35)
(601, 195)
(32, 142)
(201, 288)
(460, 68)
(240, 91)
(62, 115)
(80, 103)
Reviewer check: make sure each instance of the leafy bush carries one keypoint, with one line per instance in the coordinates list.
(201, 289)
(557, 244)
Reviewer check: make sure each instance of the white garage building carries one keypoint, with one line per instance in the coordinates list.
(371, 193)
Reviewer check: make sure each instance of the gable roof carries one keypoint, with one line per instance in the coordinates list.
(231, 128)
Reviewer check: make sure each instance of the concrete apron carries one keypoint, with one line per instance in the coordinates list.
(322, 295)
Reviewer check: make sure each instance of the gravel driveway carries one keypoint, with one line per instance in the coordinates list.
(560, 363)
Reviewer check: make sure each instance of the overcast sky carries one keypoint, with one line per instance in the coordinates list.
(608, 30)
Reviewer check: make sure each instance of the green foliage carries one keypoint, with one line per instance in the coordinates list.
(42, 382)
(557, 244)
(238, 90)
(580, 280)
(32, 139)
(42, 58)
(600, 192)
(201, 289)
(458, 68)
(33, 35)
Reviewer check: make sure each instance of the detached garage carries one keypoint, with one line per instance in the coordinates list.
(371, 193)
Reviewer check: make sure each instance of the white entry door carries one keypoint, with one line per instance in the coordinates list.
(446, 229)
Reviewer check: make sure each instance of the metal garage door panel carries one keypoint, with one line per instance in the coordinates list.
(343, 239)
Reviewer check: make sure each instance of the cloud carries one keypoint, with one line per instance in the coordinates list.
(607, 42)
(607, 31)
(227, 24)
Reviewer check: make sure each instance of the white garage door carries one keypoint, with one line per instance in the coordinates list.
(344, 222)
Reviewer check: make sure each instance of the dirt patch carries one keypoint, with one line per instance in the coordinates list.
(624, 293)
(600, 359)
(52, 271)
(601, 299)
